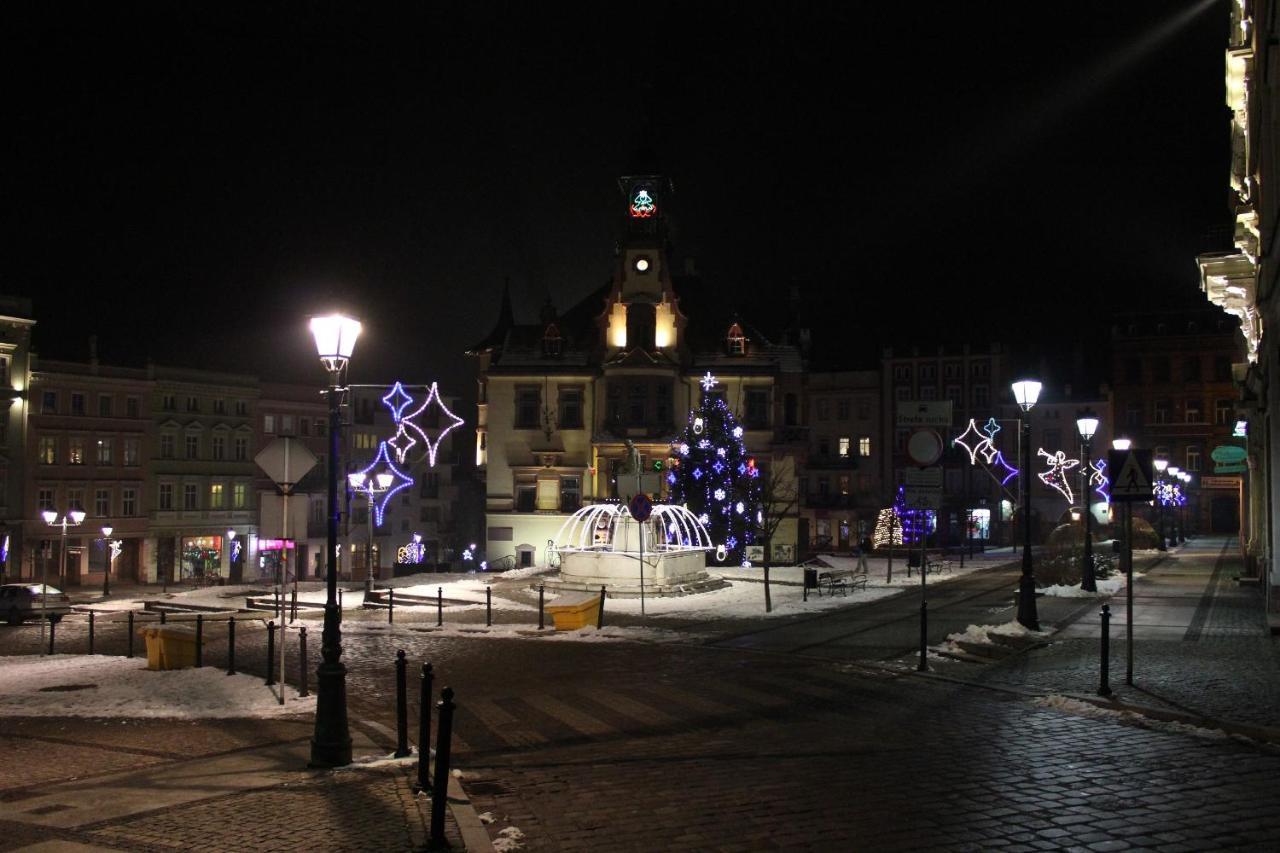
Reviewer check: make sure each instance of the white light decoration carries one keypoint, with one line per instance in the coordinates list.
(1056, 477)
(708, 381)
(719, 493)
(684, 449)
(737, 432)
(974, 441)
(697, 426)
(335, 337)
(720, 553)
(412, 552)
(739, 507)
(397, 400)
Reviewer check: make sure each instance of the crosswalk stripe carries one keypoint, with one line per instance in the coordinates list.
(570, 716)
(504, 725)
(691, 700)
(626, 706)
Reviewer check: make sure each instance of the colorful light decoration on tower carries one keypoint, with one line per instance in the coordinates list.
(1056, 477)
(400, 482)
(642, 205)
(396, 401)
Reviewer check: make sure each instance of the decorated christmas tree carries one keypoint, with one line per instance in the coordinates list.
(715, 478)
(907, 525)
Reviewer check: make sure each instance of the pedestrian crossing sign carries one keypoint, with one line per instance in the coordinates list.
(1131, 476)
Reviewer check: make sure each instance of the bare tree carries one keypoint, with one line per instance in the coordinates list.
(778, 498)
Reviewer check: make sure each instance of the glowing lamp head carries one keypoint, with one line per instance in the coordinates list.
(335, 337)
(106, 531)
(231, 534)
(1121, 443)
(1160, 465)
(1087, 424)
(76, 516)
(385, 479)
(1026, 392)
(356, 480)
(49, 516)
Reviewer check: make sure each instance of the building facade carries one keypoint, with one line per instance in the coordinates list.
(15, 397)
(842, 485)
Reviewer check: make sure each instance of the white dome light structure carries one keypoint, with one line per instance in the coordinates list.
(600, 545)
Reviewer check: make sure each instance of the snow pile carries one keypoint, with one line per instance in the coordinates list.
(982, 635)
(589, 634)
(1106, 587)
(1067, 705)
(508, 839)
(102, 686)
(459, 590)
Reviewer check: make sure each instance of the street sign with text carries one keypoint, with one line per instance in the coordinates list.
(1131, 476)
(923, 477)
(924, 413)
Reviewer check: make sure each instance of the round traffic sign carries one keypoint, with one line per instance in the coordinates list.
(924, 446)
(641, 507)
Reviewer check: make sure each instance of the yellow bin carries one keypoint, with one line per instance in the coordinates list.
(572, 612)
(153, 647)
(177, 646)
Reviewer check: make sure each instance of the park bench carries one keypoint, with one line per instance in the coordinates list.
(841, 579)
(939, 565)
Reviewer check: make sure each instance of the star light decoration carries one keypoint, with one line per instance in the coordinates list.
(1056, 477)
(981, 442)
(708, 381)
(400, 481)
(397, 400)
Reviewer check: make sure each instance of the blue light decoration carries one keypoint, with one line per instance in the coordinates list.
(400, 482)
(642, 205)
(4, 550)
(1169, 494)
(412, 552)
(1056, 477)
(980, 444)
(1098, 479)
(716, 475)
(236, 548)
(397, 400)
(999, 463)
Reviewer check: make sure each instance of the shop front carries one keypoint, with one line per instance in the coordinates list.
(201, 557)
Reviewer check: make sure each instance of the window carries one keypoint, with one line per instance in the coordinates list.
(929, 392)
(757, 409)
(430, 486)
(900, 440)
(166, 445)
(613, 402)
(824, 409)
(1191, 369)
(843, 443)
(320, 427)
(1194, 412)
(286, 425)
(928, 371)
(128, 501)
(75, 499)
(1133, 371)
(190, 496)
(955, 394)
(165, 498)
(824, 447)
(1162, 412)
(193, 447)
(269, 424)
(662, 403)
(902, 373)
(824, 487)
(981, 396)
(77, 403)
(75, 451)
(1223, 411)
(528, 403)
(864, 445)
(215, 496)
(1160, 369)
(49, 402)
(102, 503)
(902, 393)
(168, 403)
(48, 452)
(219, 447)
(1133, 414)
(104, 451)
(526, 498)
(428, 514)
(132, 447)
(242, 448)
(570, 407)
(219, 406)
(789, 407)
(242, 408)
(844, 484)
(193, 405)
(131, 407)
(952, 370)
(842, 409)
(238, 496)
(44, 499)
(304, 425)
(570, 494)
(365, 441)
(1193, 458)
(737, 341)
(104, 406)
(637, 402)
(980, 370)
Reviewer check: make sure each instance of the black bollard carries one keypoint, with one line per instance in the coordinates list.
(1104, 685)
(600, 614)
(271, 653)
(923, 666)
(90, 632)
(391, 605)
(162, 616)
(402, 709)
(339, 598)
(302, 662)
(293, 606)
(199, 639)
(488, 606)
(542, 623)
(424, 730)
(52, 624)
(130, 653)
(444, 733)
(231, 645)
(439, 606)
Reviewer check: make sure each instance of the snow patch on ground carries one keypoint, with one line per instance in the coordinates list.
(509, 838)
(103, 686)
(589, 634)
(1106, 587)
(1067, 705)
(982, 635)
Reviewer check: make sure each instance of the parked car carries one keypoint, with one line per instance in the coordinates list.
(22, 601)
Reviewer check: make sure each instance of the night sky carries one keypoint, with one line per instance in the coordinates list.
(190, 184)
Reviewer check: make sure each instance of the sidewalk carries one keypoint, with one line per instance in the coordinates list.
(1202, 647)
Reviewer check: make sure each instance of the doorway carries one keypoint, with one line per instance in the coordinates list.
(1224, 514)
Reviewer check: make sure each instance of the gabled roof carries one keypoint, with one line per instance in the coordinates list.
(497, 337)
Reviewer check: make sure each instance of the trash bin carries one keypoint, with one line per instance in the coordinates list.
(810, 578)
(177, 646)
(571, 612)
(153, 646)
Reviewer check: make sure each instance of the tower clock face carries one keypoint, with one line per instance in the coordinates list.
(643, 205)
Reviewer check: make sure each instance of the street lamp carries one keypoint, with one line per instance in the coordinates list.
(1185, 476)
(106, 575)
(1175, 522)
(335, 338)
(1087, 425)
(71, 518)
(1160, 465)
(371, 487)
(1026, 392)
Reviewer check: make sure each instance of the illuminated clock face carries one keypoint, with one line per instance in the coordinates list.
(643, 205)
(642, 264)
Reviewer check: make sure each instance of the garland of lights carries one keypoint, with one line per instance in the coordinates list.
(1169, 494)
(1098, 479)
(396, 401)
(643, 205)
(1056, 477)
(400, 482)
(412, 552)
(977, 444)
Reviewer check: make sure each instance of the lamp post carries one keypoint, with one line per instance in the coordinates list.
(373, 486)
(106, 575)
(335, 338)
(1175, 520)
(71, 518)
(1185, 477)
(1026, 392)
(1087, 425)
(1160, 465)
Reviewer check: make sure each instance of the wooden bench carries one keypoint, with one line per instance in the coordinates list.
(841, 579)
(940, 565)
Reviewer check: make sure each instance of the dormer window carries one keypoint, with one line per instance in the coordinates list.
(737, 341)
(552, 343)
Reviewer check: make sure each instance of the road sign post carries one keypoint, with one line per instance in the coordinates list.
(641, 508)
(1131, 482)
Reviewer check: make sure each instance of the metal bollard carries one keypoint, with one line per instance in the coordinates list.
(402, 709)
(391, 605)
(439, 606)
(162, 616)
(293, 606)
(271, 653)
(340, 598)
(199, 639)
(302, 662)
(541, 603)
(488, 606)
(231, 645)
(1104, 685)
(52, 624)
(424, 730)
(90, 632)
(600, 615)
(444, 732)
(804, 590)
(130, 653)
(923, 666)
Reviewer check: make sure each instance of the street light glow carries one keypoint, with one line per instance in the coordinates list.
(335, 337)
(49, 516)
(1160, 465)
(1087, 424)
(1121, 443)
(1026, 392)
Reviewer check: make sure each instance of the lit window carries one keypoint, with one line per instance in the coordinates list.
(104, 451)
(864, 446)
(844, 447)
(238, 496)
(48, 450)
(75, 451)
(215, 496)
